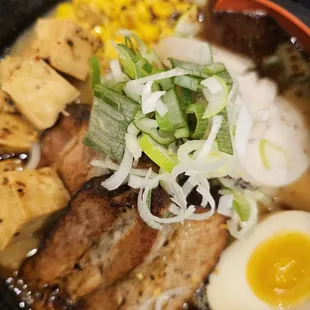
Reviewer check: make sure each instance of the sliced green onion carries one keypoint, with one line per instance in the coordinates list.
(175, 114)
(241, 206)
(166, 84)
(188, 82)
(146, 124)
(129, 44)
(119, 87)
(214, 68)
(164, 123)
(128, 107)
(147, 53)
(182, 132)
(216, 102)
(157, 153)
(106, 132)
(223, 137)
(162, 138)
(186, 97)
(128, 60)
(193, 69)
(201, 123)
(95, 74)
(225, 76)
(143, 68)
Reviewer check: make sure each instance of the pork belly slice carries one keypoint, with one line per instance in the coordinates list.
(89, 214)
(62, 147)
(182, 258)
(121, 248)
(99, 240)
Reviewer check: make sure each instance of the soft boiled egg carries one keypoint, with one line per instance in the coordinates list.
(270, 269)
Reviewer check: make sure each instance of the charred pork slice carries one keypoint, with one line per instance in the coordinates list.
(98, 241)
(182, 258)
(62, 147)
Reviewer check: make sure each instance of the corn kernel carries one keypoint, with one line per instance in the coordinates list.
(143, 12)
(182, 7)
(162, 24)
(129, 19)
(149, 33)
(163, 9)
(109, 52)
(122, 3)
(65, 11)
(150, 3)
(106, 7)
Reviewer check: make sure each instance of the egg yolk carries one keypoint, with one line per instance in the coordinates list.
(278, 270)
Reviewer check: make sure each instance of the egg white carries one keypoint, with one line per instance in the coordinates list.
(228, 288)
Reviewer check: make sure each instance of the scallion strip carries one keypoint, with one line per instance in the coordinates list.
(106, 132)
(214, 68)
(162, 138)
(157, 153)
(188, 82)
(175, 114)
(193, 69)
(127, 60)
(186, 97)
(95, 74)
(223, 137)
(119, 87)
(164, 123)
(166, 84)
(201, 123)
(241, 206)
(128, 107)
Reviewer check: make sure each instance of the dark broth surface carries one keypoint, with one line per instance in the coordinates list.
(257, 37)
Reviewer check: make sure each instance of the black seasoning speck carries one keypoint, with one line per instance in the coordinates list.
(20, 183)
(5, 181)
(70, 43)
(17, 234)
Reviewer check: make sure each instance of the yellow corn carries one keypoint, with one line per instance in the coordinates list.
(182, 7)
(163, 9)
(149, 33)
(65, 11)
(143, 12)
(105, 17)
(129, 18)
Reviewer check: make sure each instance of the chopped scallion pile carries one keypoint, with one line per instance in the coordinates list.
(160, 111)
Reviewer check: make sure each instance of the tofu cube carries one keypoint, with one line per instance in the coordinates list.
(6, 103)
(66, 46)
(8, 65)
(29, 199)
(39, 92)
(16, 133)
